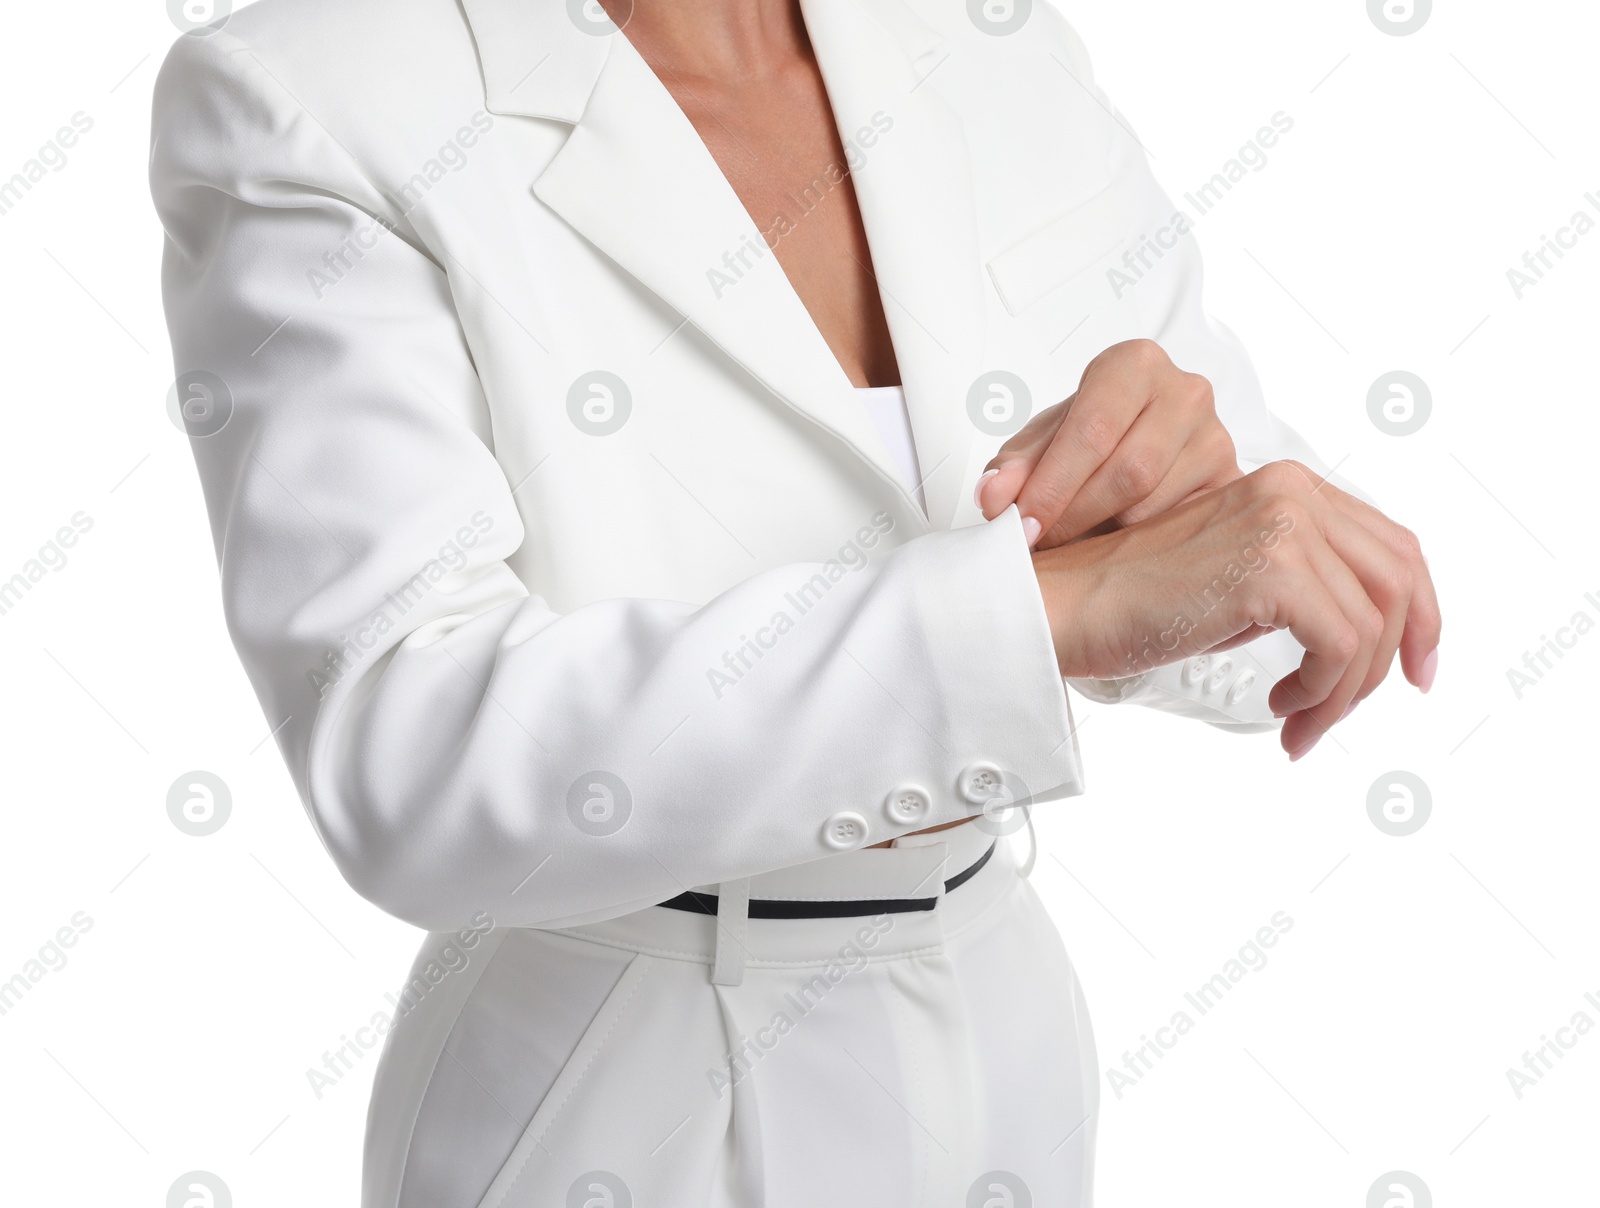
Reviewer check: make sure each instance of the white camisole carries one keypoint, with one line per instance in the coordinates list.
(887, 407)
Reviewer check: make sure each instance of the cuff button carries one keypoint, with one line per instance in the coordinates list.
(908, 804)
(845, 831)
(1219, 672)
(981, 782)
(1241, 686)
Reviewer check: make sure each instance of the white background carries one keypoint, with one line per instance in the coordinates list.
(1419, 170)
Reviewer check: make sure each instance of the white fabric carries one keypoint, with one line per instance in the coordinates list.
(886, 1060)
(471, 609)
(467, 577)
(733, 922)
(571, 573)
(887, 407)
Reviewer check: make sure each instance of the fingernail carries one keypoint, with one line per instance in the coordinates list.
(977, 491)
(1305, 750)
(1031, 529)
(1430, 668)
(1349, 709)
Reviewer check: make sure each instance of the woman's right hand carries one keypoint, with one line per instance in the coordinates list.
(1277, 549)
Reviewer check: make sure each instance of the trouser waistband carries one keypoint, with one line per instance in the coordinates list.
(733, 938)
(848, 908)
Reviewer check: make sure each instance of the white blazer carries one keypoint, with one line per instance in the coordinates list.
(568, 569)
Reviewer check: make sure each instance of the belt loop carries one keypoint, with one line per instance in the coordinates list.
(733, 924)
(1033, 844)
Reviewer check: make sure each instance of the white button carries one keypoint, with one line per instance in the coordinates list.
(909, 803)
(1195, 669)
(845, 831)
(1241, 685)
(981, 782)
(1219, 672)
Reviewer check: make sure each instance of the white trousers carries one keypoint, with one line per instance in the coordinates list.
(939, 1058)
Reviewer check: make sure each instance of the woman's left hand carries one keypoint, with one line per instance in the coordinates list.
(1139, 437)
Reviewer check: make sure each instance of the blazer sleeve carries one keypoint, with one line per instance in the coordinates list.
(1228, 690)
(460, 746)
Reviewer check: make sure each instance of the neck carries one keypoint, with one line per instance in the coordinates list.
(720, 39)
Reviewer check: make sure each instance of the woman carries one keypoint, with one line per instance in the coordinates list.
(598, 412)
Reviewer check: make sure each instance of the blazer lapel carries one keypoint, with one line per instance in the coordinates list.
(914, 187)
(635, 179)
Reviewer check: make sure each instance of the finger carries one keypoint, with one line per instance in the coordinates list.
(1420, 637)
(1311, 596)
(1099, 530)
(1206, 458)
(1387, 582)
(1148, 454)
(1305, 725)
(1207, 462)
(1306, 606)
(1101, 414)
(1008, 469)
(1242, 638)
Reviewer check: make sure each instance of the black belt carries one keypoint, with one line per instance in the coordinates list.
(770, 908)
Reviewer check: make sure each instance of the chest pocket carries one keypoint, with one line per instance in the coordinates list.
(1075, 242)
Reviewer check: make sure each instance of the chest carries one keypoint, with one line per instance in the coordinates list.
(778, 146)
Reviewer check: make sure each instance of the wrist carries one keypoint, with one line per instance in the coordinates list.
(1068, 587)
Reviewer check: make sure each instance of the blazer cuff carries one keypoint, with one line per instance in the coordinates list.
(1227, 689)
(988, 632)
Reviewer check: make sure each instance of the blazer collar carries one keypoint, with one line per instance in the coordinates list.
(636, 180)
(538, 62)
